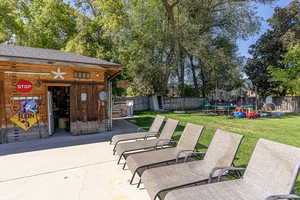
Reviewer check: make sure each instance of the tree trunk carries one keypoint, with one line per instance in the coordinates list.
(176, 41)
(193, 68)
(203, 78)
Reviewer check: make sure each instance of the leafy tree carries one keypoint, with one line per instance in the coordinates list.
(8, 20)
(269, 49)
(39, 23)
(194, 23)
(288, 78)
(143, 46)
(158, 41)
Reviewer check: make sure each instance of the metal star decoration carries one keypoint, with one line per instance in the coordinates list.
(58, 74)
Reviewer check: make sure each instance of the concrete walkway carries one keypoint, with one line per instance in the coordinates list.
(66, 168)
(56, 141)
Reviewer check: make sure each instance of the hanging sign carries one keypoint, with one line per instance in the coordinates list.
(27, 116)
(24, 86)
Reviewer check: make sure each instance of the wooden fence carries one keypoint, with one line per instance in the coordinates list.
(166, 103)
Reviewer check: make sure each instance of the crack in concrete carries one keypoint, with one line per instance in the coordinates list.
(56, 171)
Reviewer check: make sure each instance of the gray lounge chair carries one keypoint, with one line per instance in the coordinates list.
(164, 138)
(153, 131)
(270, 175)
(138, 162)
(221, 152)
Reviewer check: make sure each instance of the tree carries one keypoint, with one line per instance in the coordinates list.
(288, 79)
(193, 22)
(143, 46)
(158, 41)
(269, 49)
(8, 20)
(44, 23)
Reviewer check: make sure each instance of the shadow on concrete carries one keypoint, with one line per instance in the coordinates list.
(64, 140)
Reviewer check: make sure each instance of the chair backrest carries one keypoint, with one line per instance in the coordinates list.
(157, 124)
(168, 129)
(273, 167)
(189, 137)
(221, 150)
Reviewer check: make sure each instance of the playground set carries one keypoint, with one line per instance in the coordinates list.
(243, 111)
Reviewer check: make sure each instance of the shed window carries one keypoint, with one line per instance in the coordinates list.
(84, 75)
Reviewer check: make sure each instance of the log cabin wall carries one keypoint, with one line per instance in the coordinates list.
(86, 116)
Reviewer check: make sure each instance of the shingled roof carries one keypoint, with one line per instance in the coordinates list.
(49, 54)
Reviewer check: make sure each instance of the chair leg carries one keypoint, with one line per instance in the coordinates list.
(115, 147)
(120, 158)
(140, 181)
(156, 197)
(132, 178)
(124, 165)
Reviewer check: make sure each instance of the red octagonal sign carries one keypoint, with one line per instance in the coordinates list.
(24, 86)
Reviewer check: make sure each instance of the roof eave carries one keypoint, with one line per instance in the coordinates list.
(55, 62)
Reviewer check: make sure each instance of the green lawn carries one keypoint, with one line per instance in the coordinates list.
(282, 129)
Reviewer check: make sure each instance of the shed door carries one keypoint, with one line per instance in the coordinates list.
(85, 103)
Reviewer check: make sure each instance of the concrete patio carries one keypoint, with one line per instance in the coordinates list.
(66, 168)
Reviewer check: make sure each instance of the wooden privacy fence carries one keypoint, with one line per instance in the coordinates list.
(182, 103)
(283, 104)
(166, 103)
(287, 104)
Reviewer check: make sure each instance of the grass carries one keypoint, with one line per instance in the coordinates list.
(284, 129)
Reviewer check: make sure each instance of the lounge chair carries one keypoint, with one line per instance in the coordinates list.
(221, 152)
(153, 131)
(138, 162)
(270, 175)
(164, 138)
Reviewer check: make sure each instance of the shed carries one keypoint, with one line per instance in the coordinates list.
(45, 92)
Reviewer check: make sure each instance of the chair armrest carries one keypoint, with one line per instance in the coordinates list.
(289, 196)
(222, 171)
(166, 142)
(140, 130)
(150, 134)
(191, 154)
(180, 152)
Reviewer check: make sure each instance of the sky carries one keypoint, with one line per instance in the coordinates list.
(265, 11)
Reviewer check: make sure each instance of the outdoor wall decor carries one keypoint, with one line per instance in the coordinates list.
(28, 116)
(103, 96)
(24, 86)
(58, 74)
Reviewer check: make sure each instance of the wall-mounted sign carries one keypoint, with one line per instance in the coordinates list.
(25, 98)
(25, 121)
(83, 96)
(27, 116)
(24, 86)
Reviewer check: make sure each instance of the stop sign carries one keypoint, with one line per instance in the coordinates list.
(24, 86)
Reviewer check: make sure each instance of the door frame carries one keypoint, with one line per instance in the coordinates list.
(51, 128)
(50, 113)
